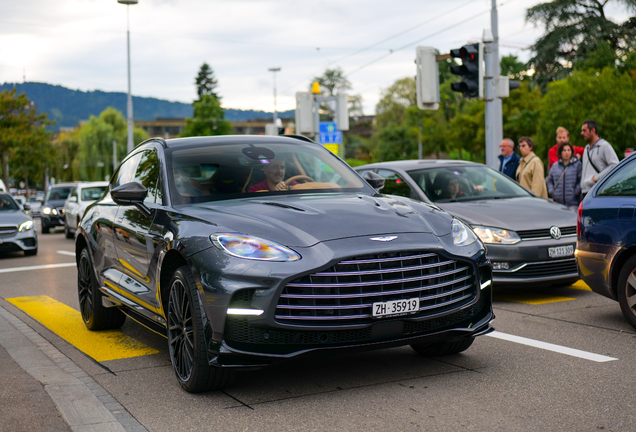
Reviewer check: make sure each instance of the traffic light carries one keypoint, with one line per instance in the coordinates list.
(471, 70)
(427, 78)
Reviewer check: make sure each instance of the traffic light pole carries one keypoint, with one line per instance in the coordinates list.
(494, 122)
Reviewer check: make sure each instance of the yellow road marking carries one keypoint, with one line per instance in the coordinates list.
(67, 323)
(580, 285)
(530, 298)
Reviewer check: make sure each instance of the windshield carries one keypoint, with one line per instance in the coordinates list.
(7, 203)
(93, 193)
(239, 170)
(466, 183)
(58, 193)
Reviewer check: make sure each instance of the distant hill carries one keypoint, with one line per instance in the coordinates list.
(67, 107)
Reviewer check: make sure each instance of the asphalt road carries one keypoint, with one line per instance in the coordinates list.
(500, 383)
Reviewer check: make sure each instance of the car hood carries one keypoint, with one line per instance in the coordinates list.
(13, 217)
(306, 220)
(517, 214)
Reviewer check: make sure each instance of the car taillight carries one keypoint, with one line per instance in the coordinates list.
(579, 218)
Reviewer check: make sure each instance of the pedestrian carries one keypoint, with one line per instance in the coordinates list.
(564, 179)
(509, 160)
(530, 173)
(598, 159)
(562, 135)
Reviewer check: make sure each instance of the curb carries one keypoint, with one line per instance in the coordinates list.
(83, 403)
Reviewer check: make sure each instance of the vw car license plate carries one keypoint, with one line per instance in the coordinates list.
(561, 251)
(396, 307)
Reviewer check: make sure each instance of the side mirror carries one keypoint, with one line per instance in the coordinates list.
(72, 199)
(375, 180)
(131, 193)
(26, 207)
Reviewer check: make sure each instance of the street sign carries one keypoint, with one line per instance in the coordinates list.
(329, 134)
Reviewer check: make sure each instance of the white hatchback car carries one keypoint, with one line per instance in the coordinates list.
(80, 198)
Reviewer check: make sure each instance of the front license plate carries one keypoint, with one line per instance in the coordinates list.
(561, 251)
(396, 307)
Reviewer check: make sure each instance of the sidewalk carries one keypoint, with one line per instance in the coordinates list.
(43, 390)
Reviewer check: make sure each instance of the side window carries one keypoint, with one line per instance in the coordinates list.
(126, 172)
(74, 193)
(147, 174)
(395, 184)
(622, 183)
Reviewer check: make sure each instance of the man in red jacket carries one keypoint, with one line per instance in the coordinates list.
(562, 136)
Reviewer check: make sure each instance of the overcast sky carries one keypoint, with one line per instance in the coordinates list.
(81, 44)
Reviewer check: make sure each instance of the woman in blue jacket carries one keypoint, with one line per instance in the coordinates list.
(564, 180)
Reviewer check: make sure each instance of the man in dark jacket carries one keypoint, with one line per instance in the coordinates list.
(509, 160)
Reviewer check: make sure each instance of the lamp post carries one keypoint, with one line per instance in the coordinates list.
(130, 105)
(277, 69)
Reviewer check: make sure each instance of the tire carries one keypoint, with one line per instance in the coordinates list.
(94, 314)
(186, 339)
(626, 290)
(443, 348)
(31, 252)
(45, 229)
(67, 232)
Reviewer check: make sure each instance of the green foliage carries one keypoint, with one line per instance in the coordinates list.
(24, 140)
(95, 139)
(521, 112)
(608, 97)
(207, 119)
(206, 82)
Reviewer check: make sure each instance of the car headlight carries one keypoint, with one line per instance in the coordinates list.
(46, 210)
(491, 235)
(248, 247)
(54, 211)
(462, 234)
(26, 226)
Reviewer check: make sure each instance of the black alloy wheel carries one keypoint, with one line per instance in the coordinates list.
(94, 314)
(443, 348)
(626, 290)
(186, 339)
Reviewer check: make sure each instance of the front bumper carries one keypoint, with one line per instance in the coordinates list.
(529, 262)
(52, 220)
(249, 341)
(21, 241)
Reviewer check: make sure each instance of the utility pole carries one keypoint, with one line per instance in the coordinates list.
(494, 122)
(274, 70)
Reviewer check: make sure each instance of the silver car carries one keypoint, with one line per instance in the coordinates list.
(17, 230)
(81, 197)
(528, 239)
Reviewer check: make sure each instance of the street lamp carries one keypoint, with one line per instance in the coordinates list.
(277, 69)
(130, 105)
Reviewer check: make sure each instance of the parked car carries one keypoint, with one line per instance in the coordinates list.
(35, 203)
(239, 279)
(75, 206)
(529, 239)
(606, 248)
(3, 188)
(17, 229)
(52, 214)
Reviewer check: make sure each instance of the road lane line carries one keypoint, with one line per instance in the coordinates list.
(63, 252)
(67, 323)
(551, 347)
(530, 298)
(38, 267)
(580, 285)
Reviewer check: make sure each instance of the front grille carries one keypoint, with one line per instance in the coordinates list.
(344, 294)
(8, 231)
(544, 233)
(240, 333)
(560, 267)
(10, 247)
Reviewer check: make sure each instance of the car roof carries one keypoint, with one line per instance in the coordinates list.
(418, 164)
(235, 139)
(91, 184)
(67, 184)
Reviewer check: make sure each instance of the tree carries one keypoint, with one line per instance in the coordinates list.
(207, 119)
(206, 82)
(573, 30)
(333, 82)
(23, 136)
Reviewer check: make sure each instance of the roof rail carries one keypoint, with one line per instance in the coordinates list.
(299, 137)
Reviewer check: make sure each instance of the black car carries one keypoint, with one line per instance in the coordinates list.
(192, 240)
(52, 210)
(529, 239)
(606, 247)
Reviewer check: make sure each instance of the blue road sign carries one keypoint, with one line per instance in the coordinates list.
(329, 134)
